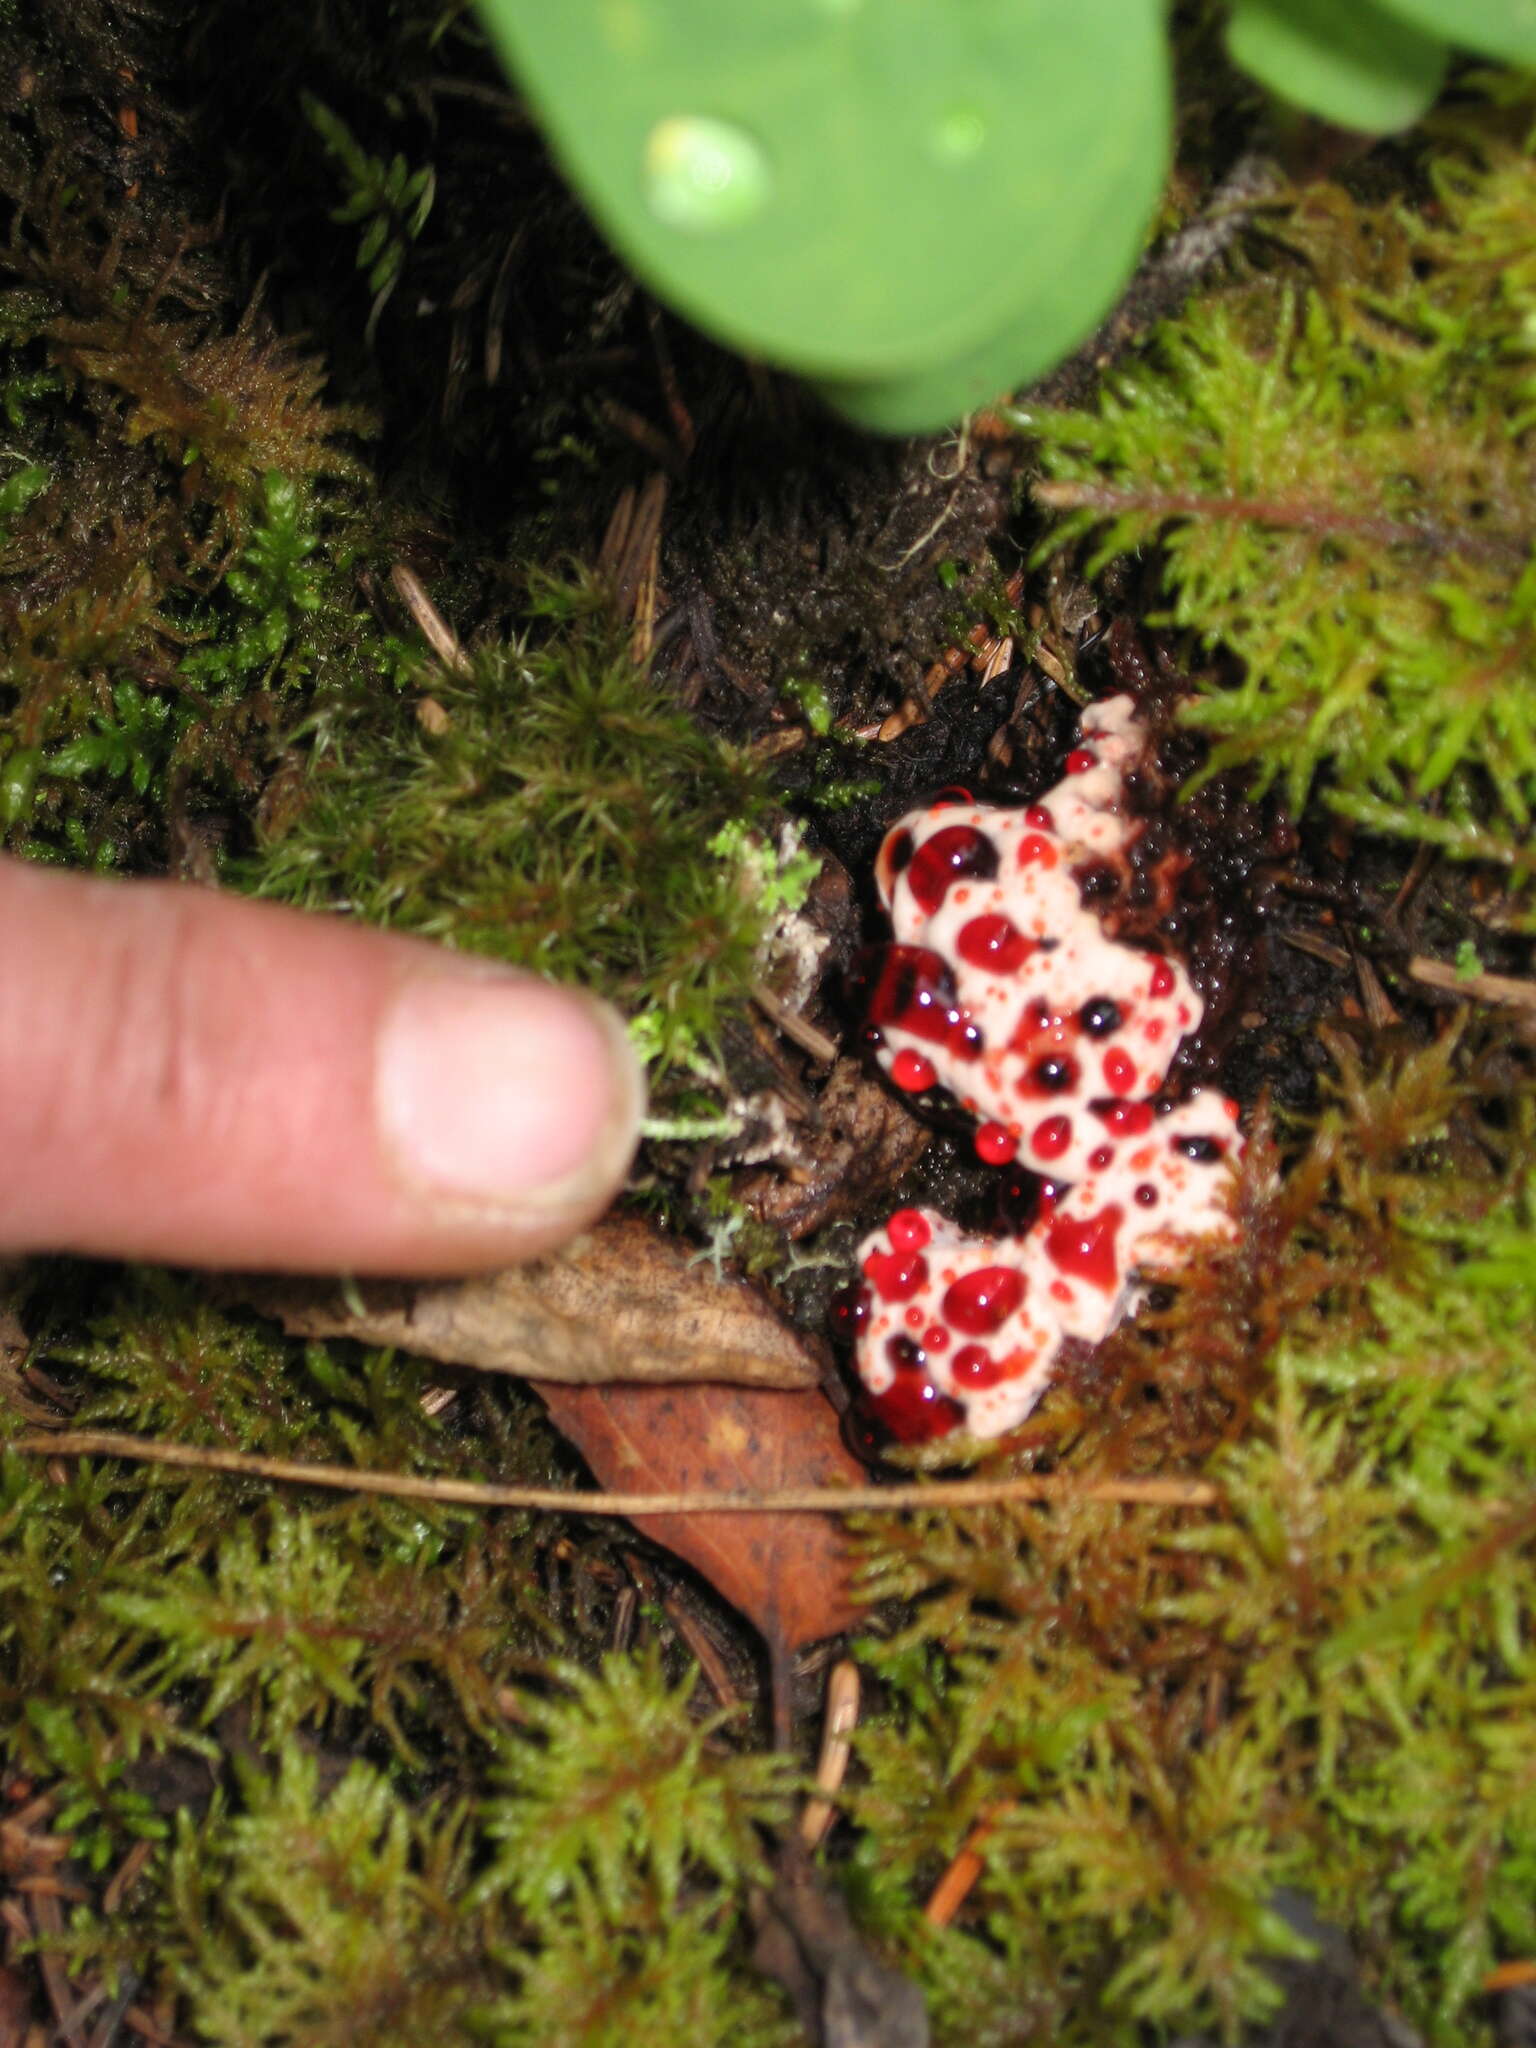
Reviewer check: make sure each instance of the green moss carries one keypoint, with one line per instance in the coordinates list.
(326, 1914)
(1337, 469)
(615, 1792)
(1325, 1684)
(390, 1786)
(566, 818)
(178, 548)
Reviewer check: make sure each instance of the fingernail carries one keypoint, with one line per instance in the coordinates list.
(502, 1093)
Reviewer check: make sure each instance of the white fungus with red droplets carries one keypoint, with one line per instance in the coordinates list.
(1002, 987)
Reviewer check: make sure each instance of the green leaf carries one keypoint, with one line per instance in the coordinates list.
(772, 168)
(1503, 29)
(1068, 302)
(18, 491)
(374, 237)
(1355, 64)
(18, 780)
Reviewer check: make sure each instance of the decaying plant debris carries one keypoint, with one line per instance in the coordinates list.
(621, 1303)
(285, 1765)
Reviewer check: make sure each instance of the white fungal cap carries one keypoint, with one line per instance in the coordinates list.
(1003, 987)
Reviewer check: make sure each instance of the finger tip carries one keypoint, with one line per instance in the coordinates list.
(505, 1103)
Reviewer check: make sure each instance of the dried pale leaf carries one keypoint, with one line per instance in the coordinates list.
(787, 1573)
(621, 1302)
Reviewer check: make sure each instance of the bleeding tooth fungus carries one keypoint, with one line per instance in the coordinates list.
(1001, 985)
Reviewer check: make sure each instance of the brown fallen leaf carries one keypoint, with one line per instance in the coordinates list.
(787, 1573)
(621, 1302)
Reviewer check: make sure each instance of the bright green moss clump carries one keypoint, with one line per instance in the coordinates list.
(382, 1805)
(1340, 472)
(561, 814)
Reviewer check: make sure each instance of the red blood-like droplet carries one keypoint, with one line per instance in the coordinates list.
(1204, 1151)
(1052, 1137)
(1084, 1246)
(914, 1411)
(1031, 1033)
(974, 1366)
(1100, 1157)
(1100, 1015)
(850, 1311)
(908, 1230)
(1146, 1194)
(911, 1071)
(941, 861)
(995, 1144)
(1035, 850)
(966, 1041)
(896, 1276)
(994, 942)
(914, 991)
(981, 1302)
(1119, 1071)
(1162, 976)
(1079, 761)
(1052, 1074)
(1039, 818)
(935, 1338)
(1125, 1119)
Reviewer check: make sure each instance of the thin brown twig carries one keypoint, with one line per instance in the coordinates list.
(808, 1036)
(1320, 949)
(1512, 1976)
(1489, 988)
(1308, 515)
(980, 651)
(148, 2026)
(48, 1919)
(430, 623)
(827, 1500)
(693, 1632)
(127, 1874)
(954, 1887)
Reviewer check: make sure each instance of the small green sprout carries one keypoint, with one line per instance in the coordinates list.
(812, 698)
(132, 744)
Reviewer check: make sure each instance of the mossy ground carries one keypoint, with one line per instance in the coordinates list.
(290, 299)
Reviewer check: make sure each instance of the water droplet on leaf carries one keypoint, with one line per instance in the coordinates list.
(959, 134)
(703, 175)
